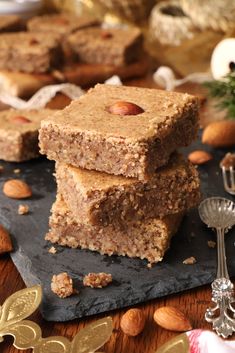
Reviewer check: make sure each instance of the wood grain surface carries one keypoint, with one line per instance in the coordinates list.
(193, 302)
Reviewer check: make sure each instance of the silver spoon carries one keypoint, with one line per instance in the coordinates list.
(219, 213)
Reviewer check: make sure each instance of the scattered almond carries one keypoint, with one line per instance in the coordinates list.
(124, 108)
(190, 261)
(211, 244)
(172, 319)
(219, 134)
(23, 209)
(199, 157)
(132, 322)
(16, 189)
(5, 241)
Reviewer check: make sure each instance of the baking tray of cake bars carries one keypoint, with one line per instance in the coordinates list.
(133, 281)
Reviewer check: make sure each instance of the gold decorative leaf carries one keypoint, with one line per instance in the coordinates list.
(54, 344)
(26, 334)
(20, 305)
(93, 336)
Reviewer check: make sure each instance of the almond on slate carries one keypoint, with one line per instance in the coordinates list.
(132, 322)
(124, 108)
(16, 189)
(172, 319)
(219, 134)
(5, 241)
(199, 157)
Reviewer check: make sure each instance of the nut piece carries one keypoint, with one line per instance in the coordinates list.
(23, 209)
(124, 108)
(20, 119)
(211, 244)
(190, 261)
(5, 241)
(172, 319)
(220, 134)
(62, 285)
(52, 250)
(228, 161)
(133, 322)
(199, 157)
(16, 189)
(97, 280)
(16, 171)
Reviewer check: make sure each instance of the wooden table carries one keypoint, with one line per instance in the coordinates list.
(192, 302)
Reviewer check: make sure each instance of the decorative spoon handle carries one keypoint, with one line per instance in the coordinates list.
(222, 314)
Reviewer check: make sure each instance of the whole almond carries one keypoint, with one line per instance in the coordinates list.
(220, 134)
(124, 108)
(106, 35)
(172, 319)
(16, 189)
(5, 241)
(132, 322)
(20, 119)
(199, 157)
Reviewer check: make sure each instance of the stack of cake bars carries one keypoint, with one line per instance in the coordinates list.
(122, 187)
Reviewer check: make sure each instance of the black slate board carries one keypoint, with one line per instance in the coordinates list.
(133, 281)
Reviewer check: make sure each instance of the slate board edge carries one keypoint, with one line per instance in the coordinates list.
(56, 314)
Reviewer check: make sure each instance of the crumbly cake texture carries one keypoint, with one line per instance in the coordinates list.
(102, 199)
(19, 133)
(29, 52)
(114, 46)
(10, 23)
(147, 240)
(97, 280)
(63, 24)
(86, 135)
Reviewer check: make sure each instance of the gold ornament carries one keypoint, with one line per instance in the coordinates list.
(27, 334)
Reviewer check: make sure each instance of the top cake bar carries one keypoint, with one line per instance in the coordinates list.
(97, 132)
(29, 52)
(62, 23)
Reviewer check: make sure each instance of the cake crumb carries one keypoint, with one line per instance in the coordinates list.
(1, 168)
(23, 209)
(62, 285)
(97, 280)
(211, 244)
(149, 265)
(190, 261)
(17, 171)
(52, 250)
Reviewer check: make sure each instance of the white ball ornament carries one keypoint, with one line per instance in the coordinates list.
(223, 58)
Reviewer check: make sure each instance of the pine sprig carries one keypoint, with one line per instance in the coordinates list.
(224, 91)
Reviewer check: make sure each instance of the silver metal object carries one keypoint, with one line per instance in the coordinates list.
(229, 179)
(219, 213)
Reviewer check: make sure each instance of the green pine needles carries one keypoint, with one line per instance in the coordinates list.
(224, 91)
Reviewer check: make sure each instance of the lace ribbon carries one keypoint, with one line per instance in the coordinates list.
(165, 77)
(41, 97)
